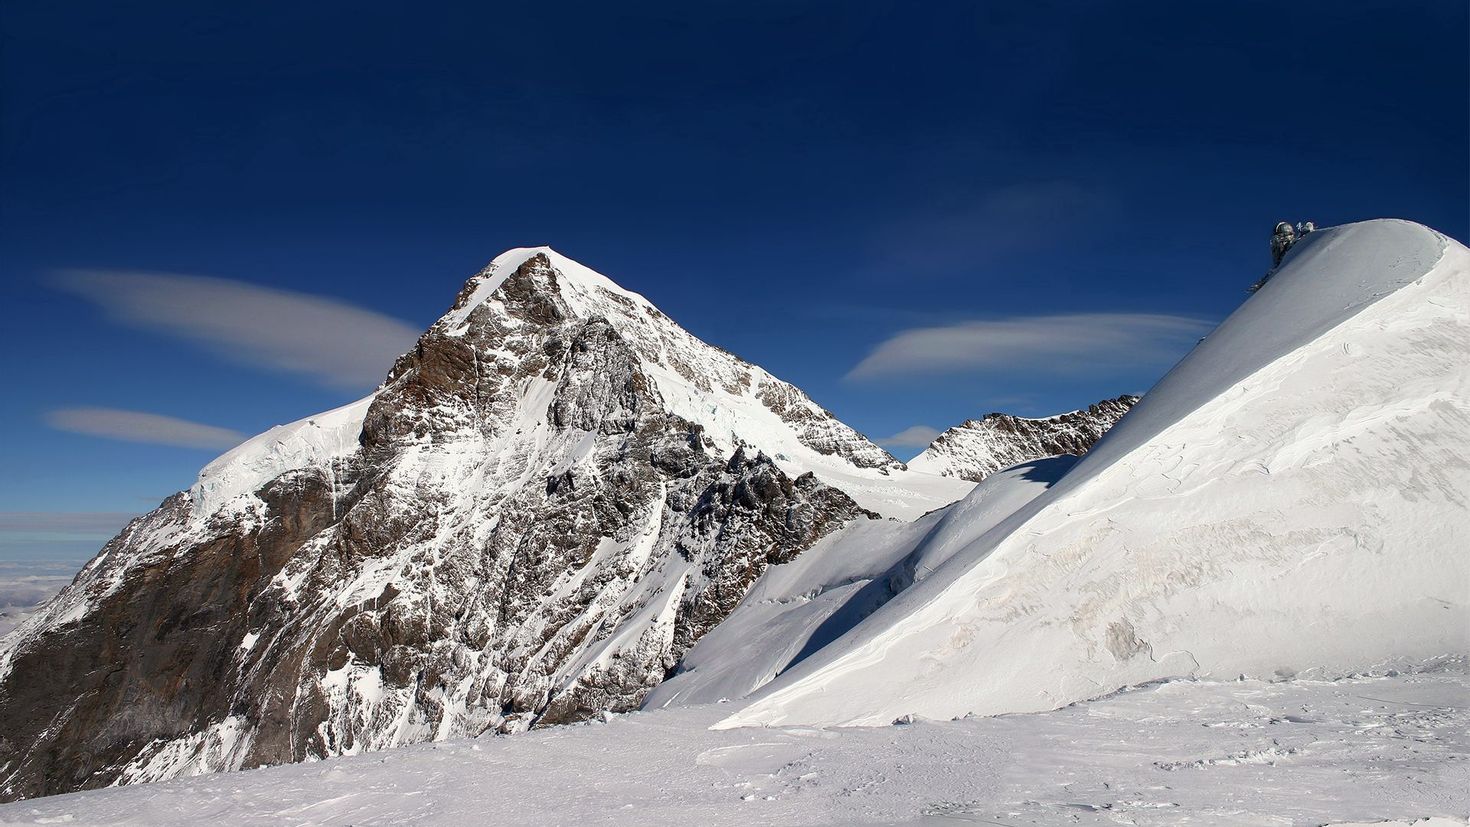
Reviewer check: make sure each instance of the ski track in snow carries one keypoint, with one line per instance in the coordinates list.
(1180, 753)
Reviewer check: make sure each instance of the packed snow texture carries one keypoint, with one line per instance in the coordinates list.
(1215, 754)
(1291, 499)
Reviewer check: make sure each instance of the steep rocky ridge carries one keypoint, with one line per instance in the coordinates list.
(979, 447)
(553, 496)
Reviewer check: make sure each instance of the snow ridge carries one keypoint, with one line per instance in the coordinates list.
(1288, 500)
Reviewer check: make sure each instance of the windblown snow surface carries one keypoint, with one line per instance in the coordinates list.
(1290, 500)
(1206, 754)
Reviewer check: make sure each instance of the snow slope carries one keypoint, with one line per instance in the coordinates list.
(800, 606)
(1211, 754)
(315, 442)
(1291, 499)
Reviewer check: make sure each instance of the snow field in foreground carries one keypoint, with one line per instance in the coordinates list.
(1183, 753)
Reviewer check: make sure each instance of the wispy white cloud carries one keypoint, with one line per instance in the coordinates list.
(136, 426)
(333, 342)
(914, 436)
(1065, 344)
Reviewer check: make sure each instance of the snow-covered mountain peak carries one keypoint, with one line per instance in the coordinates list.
(551, 497)
(737, 403)
(587, 291)
(539, 293)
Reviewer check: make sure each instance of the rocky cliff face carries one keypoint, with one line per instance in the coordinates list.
(980, 447)
(551, 498)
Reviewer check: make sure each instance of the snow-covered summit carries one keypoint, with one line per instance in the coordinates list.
(736, 403)
(580, 285)
(1289, 500)
(326, 437)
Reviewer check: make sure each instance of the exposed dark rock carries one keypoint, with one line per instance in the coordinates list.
(519, 531)
(980, 447)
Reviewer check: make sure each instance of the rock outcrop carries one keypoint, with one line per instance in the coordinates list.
(980, 447)
(552, 497)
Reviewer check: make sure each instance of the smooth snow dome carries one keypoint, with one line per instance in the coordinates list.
(1291, 499)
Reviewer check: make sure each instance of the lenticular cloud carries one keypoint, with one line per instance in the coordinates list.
(1058, 344)
(333, 342)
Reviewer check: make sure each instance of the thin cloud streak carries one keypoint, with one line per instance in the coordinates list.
(1064, 344)
(137, 426)
(332, 342)
(914, 436)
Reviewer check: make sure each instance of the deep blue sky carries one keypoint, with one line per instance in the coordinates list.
(796, 182)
